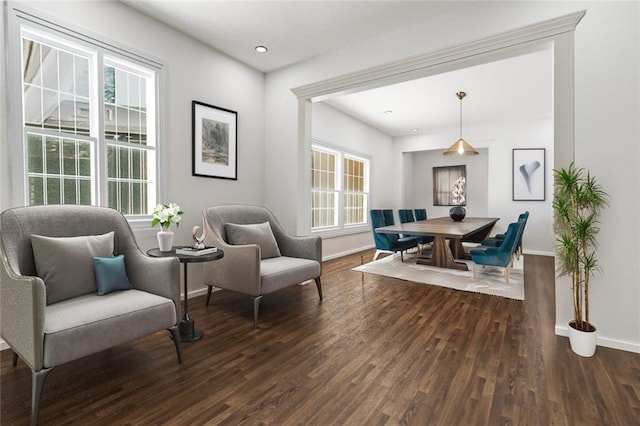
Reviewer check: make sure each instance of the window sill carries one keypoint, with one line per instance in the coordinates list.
(334, 233)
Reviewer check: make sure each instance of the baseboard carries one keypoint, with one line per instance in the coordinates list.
(604, 341)
(346, 253)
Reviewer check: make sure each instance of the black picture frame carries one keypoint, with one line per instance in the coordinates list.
(529, 174)
(215, 141)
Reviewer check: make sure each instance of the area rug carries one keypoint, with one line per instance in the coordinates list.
(489, 280)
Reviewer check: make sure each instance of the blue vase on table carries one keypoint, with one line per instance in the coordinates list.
(457, 213)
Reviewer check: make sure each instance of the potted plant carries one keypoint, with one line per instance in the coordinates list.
(577, 202)
(164, 215)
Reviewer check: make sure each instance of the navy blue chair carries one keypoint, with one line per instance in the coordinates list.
(420, 214)
(497, 239)
(389, 242)
(406, 215)
(501, 256)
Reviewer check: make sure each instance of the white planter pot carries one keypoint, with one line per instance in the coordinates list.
(582, 343)
(165, 240)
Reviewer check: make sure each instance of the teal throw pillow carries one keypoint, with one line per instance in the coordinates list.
(110, 274)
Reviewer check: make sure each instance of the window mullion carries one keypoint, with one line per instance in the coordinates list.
(98, 125)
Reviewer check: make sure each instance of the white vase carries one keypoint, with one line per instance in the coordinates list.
(165, 240)
(583, 343)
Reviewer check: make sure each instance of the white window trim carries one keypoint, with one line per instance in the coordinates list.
(342, 230)
(19, 15)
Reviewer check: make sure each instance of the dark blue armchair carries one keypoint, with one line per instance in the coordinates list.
(389, 242)
(501, 256)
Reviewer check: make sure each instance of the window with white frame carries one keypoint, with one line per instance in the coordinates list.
(89, 120)
(339, 189)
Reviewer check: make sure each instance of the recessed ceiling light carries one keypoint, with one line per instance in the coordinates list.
(389, 112)
(415, 130)
(261, 49)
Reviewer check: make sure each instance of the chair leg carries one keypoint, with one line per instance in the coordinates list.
(475, 270)
(377, 253)
(506, 274)
(401, 256)
(209, 289)
(319, 286)
(256, 309)
(14, 359)
(175, 335)
(37, 383)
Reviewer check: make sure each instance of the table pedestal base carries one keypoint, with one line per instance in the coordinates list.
(188, 331)
(441, 256)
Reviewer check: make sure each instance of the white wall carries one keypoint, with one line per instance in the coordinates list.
(476, 187)
(193, 71)
(334, 127)
(607, 54)
(494, 191)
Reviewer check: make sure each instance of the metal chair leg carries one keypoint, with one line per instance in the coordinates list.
(175, 335)
(209, 289)
(256, 309)
(37, 383)
(319, 286)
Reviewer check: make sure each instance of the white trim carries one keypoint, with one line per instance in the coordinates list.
(348, 252)
(539, 253)
(379, 74)
(604, 341)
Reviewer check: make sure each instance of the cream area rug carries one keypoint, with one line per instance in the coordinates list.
(489, 279)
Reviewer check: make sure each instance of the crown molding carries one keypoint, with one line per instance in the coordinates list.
(415, 64)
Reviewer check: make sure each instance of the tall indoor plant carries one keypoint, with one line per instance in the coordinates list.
(577, 203)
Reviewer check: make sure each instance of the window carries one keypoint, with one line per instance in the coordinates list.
(339, 189)
(88, 123)
(443, 180)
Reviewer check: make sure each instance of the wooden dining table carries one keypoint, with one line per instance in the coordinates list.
(443, 255)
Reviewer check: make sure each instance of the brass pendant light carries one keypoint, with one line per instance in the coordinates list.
(460, 147)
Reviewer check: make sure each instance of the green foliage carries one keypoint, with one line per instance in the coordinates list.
(577, 203)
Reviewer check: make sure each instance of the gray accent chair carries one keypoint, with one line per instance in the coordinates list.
(46, 335)
(242, 269)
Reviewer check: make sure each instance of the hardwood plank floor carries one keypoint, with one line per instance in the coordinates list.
(377, 350)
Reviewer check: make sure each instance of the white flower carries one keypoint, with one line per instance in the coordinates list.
(165, 214)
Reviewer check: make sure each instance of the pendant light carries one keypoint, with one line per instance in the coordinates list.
(460, 147)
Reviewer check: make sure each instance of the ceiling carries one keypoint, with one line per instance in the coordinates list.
(295, 31)
(511, 90)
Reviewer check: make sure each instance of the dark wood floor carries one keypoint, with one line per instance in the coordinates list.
(375, 351)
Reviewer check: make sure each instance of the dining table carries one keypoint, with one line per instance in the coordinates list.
(443, 229)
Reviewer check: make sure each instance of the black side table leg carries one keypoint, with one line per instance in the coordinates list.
(188, 332)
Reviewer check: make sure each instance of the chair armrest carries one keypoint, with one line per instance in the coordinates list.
(22, 314)
(238, 270)
(303, 247)
(156, 275)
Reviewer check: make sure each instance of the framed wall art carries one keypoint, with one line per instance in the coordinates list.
(529, 174)
(215, 141)
(443, 179)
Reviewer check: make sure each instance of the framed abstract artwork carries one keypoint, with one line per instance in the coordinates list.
(215, 141)
(529, 180)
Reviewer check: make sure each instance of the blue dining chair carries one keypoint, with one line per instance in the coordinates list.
(406, 215)
(389, 242)
(497, 239)
(501, 256)
(420, 214)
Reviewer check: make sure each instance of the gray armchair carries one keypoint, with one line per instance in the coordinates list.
(47, 328)
(258, 269)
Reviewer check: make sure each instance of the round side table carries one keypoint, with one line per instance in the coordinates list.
(188, 332)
